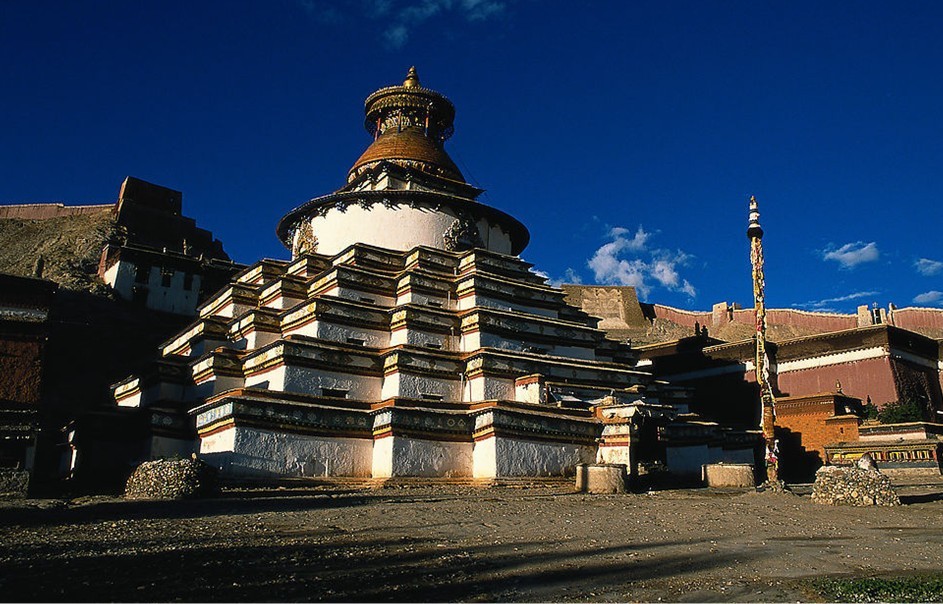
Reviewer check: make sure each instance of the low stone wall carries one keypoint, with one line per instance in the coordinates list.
(601, 478)
(728, 475)
(14, 483)
(172, 479)
(852, 486)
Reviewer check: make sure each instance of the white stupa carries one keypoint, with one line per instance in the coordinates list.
(405, 338)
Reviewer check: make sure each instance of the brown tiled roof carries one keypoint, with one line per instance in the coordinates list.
(411, 145)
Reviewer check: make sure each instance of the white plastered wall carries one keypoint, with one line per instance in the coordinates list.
(214, 385)
(414, 337)
(479, 300)
(247, 451)
(415, 226)
(304, 380)
(500, 457)
(404, 456)
(414, 386)
(487, 388)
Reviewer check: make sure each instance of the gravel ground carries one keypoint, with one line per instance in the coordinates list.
(456, 543)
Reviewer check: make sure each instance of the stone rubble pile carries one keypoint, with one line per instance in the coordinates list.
(172, 479)
(14, 483)
(852, 486)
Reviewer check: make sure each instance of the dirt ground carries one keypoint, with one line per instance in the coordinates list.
(456, 544)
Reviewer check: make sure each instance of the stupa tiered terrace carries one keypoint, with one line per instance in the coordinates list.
(406, 338)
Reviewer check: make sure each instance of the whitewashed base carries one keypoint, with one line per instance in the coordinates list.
(502, 457)
(252, 452)
(404, 456)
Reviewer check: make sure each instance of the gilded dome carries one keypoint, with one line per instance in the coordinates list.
(410, 125)
(410, 148)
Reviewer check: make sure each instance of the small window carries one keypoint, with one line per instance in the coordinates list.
(141, 273)
(434, 303)
(430, 397)
(367, 300)
(334, 392)
(188, 281)
(433, 345)
(166, 274)
(357, 341)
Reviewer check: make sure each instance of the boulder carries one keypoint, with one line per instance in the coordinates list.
(172, 479)
(852, 486)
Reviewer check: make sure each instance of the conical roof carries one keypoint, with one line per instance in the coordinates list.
(409, 124)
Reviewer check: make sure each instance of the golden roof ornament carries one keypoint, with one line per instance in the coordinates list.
(412, 79)
(409, 125)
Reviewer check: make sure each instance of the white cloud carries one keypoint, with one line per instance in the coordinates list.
(930, 297)
(569, 276)
(928, 267)
(851, 255)
(478, 10)
(402, 17)
(826, 303)
(396, 36)
(628, 261)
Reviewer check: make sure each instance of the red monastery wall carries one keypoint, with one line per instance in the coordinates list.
(21, 368)
(912, 318)
(860, 379)
(682, 317)
(812, 321)
(43, 211)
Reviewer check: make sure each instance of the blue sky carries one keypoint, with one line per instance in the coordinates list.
(628, 136)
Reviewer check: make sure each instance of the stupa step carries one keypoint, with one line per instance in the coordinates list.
(262, 272)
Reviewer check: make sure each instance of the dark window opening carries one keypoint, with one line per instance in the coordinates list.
(166, 274)
(141, 273)
(334, 392)
(356, 341)
(431, 397)
(188, 281)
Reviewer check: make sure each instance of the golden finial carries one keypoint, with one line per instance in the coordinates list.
(412, 79)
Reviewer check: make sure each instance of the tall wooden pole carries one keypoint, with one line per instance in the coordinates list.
(761, 360)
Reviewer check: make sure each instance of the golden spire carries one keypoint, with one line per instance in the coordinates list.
(412, 79)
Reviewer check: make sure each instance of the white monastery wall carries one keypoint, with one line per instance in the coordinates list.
(424, 299)
(404, 456)
(172, 298)
(415, 226)
(306, 380)
(247, 451)
(212, 386)
(415, 386)
(273, 379)
(414, 337)
(500, 457)
(359, 296)
(487, 388)
(120, 276)
(474, 300)
(255, 339)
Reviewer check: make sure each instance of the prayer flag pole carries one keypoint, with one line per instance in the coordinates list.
(768, 409)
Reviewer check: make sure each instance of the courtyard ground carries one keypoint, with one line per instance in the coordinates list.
(449, 543)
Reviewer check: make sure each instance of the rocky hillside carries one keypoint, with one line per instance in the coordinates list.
(69, 245)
